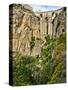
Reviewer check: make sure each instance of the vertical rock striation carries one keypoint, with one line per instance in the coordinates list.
(25, 25)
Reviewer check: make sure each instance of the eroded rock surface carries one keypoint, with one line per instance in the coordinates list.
(25, 24)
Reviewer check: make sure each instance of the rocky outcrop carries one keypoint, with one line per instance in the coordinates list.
(28, 29)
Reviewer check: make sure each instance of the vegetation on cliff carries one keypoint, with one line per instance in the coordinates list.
(49, 68)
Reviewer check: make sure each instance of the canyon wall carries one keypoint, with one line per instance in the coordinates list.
(28, 29)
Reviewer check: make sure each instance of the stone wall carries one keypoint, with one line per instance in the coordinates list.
(49, 22)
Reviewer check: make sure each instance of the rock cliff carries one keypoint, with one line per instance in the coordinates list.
(27, 29)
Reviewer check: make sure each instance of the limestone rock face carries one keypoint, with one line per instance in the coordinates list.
(25, 24)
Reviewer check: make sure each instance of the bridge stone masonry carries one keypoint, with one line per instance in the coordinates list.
(27, 29)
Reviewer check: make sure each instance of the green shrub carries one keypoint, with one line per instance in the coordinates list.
(29, 70)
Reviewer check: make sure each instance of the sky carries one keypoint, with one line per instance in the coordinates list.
(44, 8)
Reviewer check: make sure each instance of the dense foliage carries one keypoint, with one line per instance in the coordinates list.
(49, 68)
